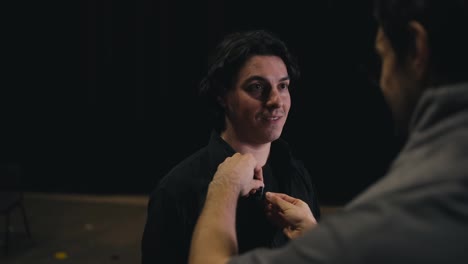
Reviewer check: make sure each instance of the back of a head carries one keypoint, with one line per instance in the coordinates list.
(229, 57)
(446, 22)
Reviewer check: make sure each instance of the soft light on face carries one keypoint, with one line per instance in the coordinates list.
(258, 105)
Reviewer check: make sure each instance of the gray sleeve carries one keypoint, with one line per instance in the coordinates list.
(411, 228)
(317, 246)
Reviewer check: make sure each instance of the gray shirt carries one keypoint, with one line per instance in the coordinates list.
(417, 213)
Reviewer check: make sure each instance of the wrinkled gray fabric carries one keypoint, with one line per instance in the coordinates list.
(417, 213)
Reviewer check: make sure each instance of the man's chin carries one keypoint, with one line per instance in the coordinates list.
(275, 137)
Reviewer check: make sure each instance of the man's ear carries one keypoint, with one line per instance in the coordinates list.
(420, 58)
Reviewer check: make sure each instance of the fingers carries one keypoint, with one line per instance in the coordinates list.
(241, 171)
(258, 173)
(280, 198)
(258, 184)
(247, 158)
(288, 232)
(277, 200)
(258, 178)
(283, 196)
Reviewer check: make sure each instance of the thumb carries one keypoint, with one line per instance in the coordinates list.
(277, 201)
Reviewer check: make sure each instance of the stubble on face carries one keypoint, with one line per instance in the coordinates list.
(251, 118)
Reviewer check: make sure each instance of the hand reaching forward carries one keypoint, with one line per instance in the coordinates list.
(240, 173)
(291, 214)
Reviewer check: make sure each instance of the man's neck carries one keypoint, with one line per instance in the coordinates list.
(260, 151)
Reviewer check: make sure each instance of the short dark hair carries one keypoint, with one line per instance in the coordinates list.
(229, 57)
(446, 22)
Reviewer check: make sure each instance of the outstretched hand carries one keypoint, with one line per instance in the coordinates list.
(289, 213)
(241, 173)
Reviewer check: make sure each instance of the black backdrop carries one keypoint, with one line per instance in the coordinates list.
(101, 95)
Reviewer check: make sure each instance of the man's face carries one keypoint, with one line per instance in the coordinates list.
(396, 82)
(258, 105)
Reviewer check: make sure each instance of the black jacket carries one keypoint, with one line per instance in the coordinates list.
(175, 204)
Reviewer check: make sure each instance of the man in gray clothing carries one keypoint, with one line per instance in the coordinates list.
(418, 212)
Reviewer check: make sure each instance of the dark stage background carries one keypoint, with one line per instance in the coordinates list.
(101, 94)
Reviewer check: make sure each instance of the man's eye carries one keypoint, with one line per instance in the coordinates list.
(256, 87)
(284, 86)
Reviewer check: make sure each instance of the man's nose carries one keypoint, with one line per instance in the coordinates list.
(274, 98)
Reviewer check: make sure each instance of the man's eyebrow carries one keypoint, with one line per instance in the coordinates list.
(260, 78)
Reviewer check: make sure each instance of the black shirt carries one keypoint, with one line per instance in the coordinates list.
(176, 203)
